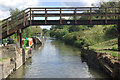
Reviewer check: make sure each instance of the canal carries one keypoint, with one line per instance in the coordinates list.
(55, 59)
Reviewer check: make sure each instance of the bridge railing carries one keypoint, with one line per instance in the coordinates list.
(89, 12)
(15, 21)
(19, 20)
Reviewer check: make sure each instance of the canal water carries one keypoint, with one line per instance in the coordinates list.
(55, 59)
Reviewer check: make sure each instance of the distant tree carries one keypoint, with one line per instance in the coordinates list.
(45, 31)
(28, 32)
(35, 29)
(13, 12)
(74, 28)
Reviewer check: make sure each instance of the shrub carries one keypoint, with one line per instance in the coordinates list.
(111, 32)
(59, 33)
(72, 37)
(79, 43)
(115, 48)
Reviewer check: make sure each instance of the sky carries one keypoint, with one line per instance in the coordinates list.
(5, 5)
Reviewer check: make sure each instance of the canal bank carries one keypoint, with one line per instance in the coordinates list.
(102, 60)
(12, 59)
(55, 59)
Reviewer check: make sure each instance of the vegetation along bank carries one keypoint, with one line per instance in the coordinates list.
(98, 39)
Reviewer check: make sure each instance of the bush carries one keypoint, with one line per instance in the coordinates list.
(59, 33)
(72, 37)
(77, 28)
(68, 38)
(115, 48)
(110, 32)
(79, 43)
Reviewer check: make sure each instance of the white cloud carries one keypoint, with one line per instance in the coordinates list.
(4, 14)
(5, 5)
(46, 27)
(22, 4)
(80, 3)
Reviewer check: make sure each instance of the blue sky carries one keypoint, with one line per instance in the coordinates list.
(5, 5)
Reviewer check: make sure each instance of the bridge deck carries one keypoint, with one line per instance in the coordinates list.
(57, 22)
(72, 22)
(71, 14)
(26, 17)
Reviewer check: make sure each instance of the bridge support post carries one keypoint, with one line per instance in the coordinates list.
(118, 29)
(32, 16)
(19, 38)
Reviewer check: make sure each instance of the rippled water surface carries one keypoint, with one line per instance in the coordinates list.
(55, 59)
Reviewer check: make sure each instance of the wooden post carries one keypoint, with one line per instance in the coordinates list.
(0, 33)
(90, 15)
(30, 16)
(19, 38)
(115, 13)
(105, 15)
(118, 29)
(60, 16)
(7, 27)
(75, 16)
(24, 18)
(86, 13)
(45, 16)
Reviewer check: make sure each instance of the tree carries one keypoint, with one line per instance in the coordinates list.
(35, 29)
(46, 32)
(28, 32)
(12, 13)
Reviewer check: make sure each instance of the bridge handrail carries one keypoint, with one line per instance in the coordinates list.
(67, 7)
(14, 15)
(54, 8)
(12, 20)
(28, 13)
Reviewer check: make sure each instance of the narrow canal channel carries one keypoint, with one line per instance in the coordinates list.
(55, 59)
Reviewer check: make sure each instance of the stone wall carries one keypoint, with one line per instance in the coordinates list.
(98, 60)
(14, 59)
(7, 68)
(0, 64)
(0, 70)
(9, 51)
(19, 59)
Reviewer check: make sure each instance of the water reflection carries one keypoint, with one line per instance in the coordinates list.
(55, 59)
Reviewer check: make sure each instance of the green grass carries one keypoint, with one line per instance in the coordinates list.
(113, 53)
(94, 35)
(109, 44)
(1, 59)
